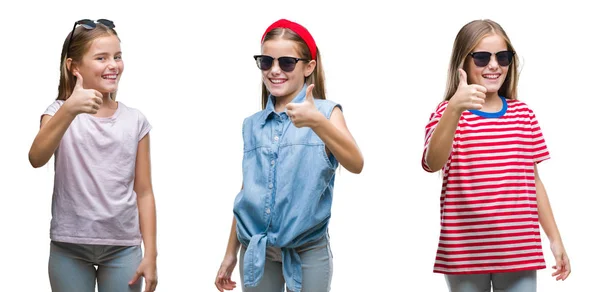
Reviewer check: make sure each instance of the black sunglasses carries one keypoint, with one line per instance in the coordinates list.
(88, 24)
(287, 64)
(482, 59)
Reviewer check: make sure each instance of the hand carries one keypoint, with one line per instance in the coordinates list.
(304, 114)
(83, 100)
(467, 96)
(147, 269)
(563, 266)
(223, 280)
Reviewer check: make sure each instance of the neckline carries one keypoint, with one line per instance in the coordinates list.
(497, 114)
(111, 117)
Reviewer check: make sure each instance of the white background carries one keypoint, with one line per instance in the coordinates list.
(190, 70)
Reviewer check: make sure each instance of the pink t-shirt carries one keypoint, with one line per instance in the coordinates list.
(93, 200)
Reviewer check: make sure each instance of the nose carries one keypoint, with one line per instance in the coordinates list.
(493, 63)
(275, 69)
(112, 64)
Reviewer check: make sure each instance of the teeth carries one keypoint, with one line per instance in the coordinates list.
(109, 76)
(277, 81)
(494, 76)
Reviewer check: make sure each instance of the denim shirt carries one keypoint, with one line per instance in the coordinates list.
(288, 187)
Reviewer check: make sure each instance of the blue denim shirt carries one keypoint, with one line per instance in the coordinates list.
(288, 187)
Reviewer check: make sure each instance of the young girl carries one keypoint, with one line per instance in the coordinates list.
(102, 203)
(488, 145)
(291, 150)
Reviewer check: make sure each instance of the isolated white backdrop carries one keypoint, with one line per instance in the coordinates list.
(189, 69)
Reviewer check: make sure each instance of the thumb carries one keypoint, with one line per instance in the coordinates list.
(309, 94)
(135, 278)
(462, 76)
(79, 82)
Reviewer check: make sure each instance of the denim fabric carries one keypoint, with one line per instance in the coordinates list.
(288, 187)
(522, 281)
(71, 267)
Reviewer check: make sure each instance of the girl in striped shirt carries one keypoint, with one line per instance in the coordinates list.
(487, 145)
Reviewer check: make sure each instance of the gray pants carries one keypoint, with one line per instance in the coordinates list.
(523, 281)
(317, 268)
(72, 267)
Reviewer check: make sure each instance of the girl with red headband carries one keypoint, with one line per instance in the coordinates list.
(291, 151)
(488, 145)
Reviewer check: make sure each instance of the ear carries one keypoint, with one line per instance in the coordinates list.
(72, 66)
(309, 68)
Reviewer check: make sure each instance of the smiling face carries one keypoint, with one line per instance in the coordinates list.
(492, 75)
(101, 66)
(281, 84)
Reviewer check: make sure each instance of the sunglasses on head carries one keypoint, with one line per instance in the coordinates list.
(482, 59)
(287, 64)
(89, 24)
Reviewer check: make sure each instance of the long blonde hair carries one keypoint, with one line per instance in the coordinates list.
(316, 77)
(466, 40)
(80, 44)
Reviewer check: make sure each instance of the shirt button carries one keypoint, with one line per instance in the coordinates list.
(268, 211)
(276, 138)
(273, 162)
(270, 186)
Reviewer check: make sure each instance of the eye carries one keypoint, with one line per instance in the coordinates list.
(119, 57)
(100, 58)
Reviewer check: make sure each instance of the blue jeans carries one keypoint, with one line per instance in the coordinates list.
(317, 268)
(522, 281)
(71, 267)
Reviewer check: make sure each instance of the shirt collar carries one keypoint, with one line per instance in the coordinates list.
(270, 107)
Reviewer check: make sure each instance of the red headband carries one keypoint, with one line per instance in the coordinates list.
(299, 30)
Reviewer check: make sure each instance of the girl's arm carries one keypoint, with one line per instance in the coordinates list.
(441, 140)
(466, 97)
(223, 280)
(332, 131)
(339, 140)
(52, 129)
(147, 214)
(546, 217)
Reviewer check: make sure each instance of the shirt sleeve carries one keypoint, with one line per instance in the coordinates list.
(434, 119)
(539, 151)
(53, 108)
(143, 126)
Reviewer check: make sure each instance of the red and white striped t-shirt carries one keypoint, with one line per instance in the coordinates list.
(489, 215)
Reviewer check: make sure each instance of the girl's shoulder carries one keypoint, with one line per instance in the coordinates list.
(53, 107)
(516, 105)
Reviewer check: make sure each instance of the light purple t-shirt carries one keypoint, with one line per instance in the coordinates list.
(93, 200)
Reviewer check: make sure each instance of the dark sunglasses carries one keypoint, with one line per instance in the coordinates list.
(88, 24)
(287, 64)
(482, 59)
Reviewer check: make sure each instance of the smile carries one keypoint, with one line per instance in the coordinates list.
(110, 77)
(491, 76)
(277, 81)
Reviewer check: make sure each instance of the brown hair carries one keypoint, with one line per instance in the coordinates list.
(316, 77)
(466, 40)
(80, 44)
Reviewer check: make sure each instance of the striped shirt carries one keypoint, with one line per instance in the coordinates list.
(489, 215)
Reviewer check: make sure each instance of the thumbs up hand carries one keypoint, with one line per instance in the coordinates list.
(304, 114)
(467, 96)
(83, 100)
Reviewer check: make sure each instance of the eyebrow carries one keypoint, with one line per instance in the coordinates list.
(106, 53)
